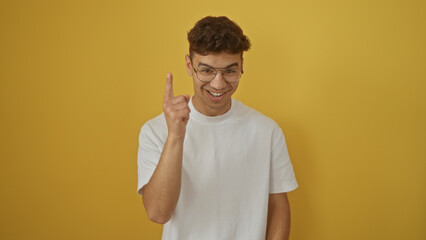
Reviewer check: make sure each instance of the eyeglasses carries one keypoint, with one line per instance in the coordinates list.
(207, 74)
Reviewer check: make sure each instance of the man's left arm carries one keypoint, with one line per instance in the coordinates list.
(278, 225)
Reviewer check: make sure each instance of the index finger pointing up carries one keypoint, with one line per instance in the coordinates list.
(169, 87)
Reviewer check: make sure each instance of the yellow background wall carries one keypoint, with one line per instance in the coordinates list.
(345, 80)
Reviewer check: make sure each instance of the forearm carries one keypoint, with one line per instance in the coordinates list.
(278, 226)
(161, 194)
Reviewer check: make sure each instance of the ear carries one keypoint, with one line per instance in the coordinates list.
(188, 64)
(242, 64)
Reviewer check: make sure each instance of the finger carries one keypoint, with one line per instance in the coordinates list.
(169, 87)
(187, 97)
(183, 113)
(178, 99)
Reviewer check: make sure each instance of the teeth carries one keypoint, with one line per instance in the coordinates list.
(216, 94)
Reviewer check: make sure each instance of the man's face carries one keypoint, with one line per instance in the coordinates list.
(213, 98)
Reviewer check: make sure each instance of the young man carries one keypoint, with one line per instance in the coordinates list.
(210, 167)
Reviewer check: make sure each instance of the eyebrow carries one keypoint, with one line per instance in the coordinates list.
(230, 65)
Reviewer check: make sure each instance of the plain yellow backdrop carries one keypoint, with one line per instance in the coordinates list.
(345, 80)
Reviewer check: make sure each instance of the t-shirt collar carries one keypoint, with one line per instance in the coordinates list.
(212, 119)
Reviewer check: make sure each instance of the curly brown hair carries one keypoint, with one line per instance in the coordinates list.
(217, 34)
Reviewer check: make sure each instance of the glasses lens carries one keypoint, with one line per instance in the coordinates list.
(232, 75)
(206, 74)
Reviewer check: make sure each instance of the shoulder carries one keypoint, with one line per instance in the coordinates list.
(157, 121)
(255, 118)
(154, 128)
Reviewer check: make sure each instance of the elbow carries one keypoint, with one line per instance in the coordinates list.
(156, 216)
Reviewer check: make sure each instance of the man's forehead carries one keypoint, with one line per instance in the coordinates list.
(218, 60)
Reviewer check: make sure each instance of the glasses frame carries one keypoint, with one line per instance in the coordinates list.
(216, 70)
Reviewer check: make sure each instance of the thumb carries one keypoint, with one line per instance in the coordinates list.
(187, 97)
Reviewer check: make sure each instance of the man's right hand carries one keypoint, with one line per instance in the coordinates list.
(176, 110)
(161, 193)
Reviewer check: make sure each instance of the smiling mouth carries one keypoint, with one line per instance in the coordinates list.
(215, 94)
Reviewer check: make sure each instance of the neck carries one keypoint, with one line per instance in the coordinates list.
(206, 110)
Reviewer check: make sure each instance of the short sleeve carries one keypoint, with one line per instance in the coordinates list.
(149, 152)
(282, 177)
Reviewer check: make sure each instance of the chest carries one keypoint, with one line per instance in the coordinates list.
(226, 157)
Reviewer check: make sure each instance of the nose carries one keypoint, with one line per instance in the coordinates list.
(218, 81)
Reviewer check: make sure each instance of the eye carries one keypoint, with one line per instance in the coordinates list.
(230, 71)
(206, 70)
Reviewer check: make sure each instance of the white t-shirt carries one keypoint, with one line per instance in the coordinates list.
(231, 163)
